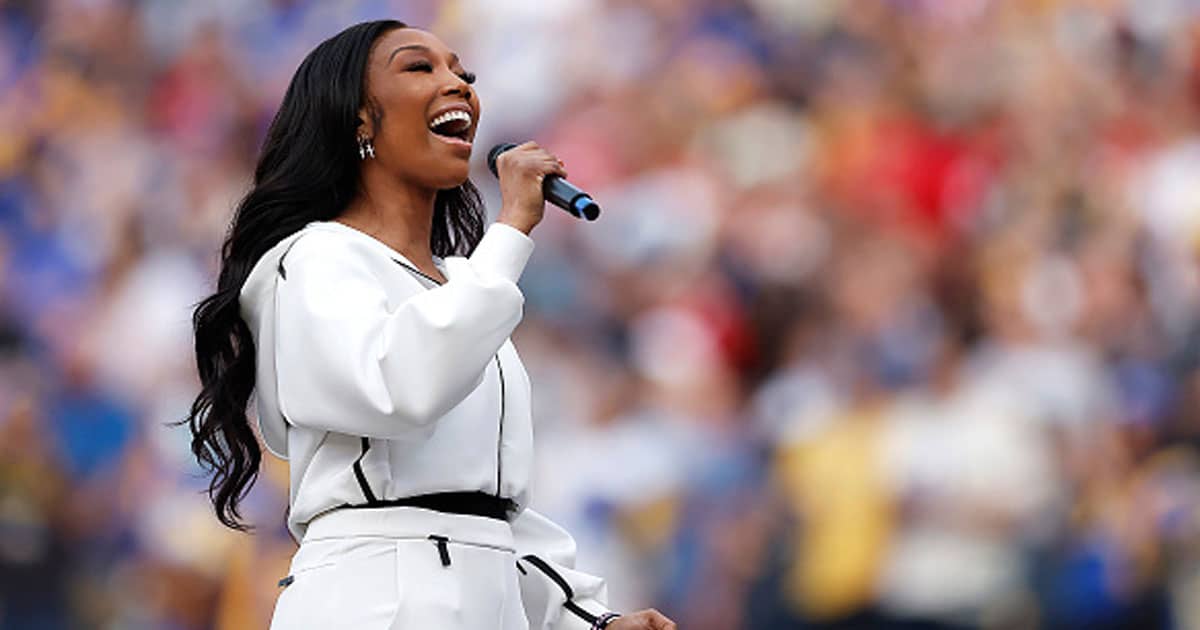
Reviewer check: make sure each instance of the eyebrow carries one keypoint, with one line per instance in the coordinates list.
(453, 56)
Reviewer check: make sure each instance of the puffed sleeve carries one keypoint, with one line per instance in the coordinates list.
(346, 362)
(555, 595)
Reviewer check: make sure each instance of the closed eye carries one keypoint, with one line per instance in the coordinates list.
(425, 66)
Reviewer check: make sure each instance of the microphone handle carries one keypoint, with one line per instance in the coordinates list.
(569, 197)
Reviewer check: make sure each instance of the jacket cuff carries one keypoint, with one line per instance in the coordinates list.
(581, 614)
(503, 250)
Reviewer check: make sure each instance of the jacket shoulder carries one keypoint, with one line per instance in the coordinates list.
(317, 240)
(277, 263)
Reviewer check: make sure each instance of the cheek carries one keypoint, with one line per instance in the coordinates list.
(403, 113)
(403, 138)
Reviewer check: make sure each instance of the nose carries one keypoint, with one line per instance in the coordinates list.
(457, 87)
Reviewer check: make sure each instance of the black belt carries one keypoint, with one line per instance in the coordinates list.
(474, 503)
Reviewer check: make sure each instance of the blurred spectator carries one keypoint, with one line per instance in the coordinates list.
(891, 319)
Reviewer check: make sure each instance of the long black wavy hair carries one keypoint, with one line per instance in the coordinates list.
(308, 170)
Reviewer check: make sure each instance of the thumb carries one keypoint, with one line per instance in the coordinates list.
(658, 621)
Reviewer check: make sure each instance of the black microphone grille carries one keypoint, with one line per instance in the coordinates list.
(495, 152)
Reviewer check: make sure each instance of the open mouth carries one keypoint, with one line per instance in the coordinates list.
(453, 126)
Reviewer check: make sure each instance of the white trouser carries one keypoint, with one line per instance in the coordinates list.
(379, 568)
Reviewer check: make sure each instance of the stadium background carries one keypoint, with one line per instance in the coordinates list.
(891, 318)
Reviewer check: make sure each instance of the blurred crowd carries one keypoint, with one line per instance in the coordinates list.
(892, 319)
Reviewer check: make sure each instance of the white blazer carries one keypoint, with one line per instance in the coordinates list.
(374, 382)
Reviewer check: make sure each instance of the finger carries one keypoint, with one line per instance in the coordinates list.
(659, 621)
(550, 166)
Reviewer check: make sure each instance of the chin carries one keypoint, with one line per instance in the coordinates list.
(452, 181)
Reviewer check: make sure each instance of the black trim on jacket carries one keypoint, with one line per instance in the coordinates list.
(362, 478)
(554, 576)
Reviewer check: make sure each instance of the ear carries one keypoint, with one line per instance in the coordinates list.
(366, 124)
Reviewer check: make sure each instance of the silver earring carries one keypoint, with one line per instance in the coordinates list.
(365, 148)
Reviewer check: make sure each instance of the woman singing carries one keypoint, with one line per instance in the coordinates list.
(362, 298)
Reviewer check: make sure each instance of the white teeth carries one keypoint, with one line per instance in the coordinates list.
(454, 114)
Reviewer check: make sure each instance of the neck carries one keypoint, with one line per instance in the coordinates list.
(398, 213)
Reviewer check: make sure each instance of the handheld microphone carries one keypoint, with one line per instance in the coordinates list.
(555, 189)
